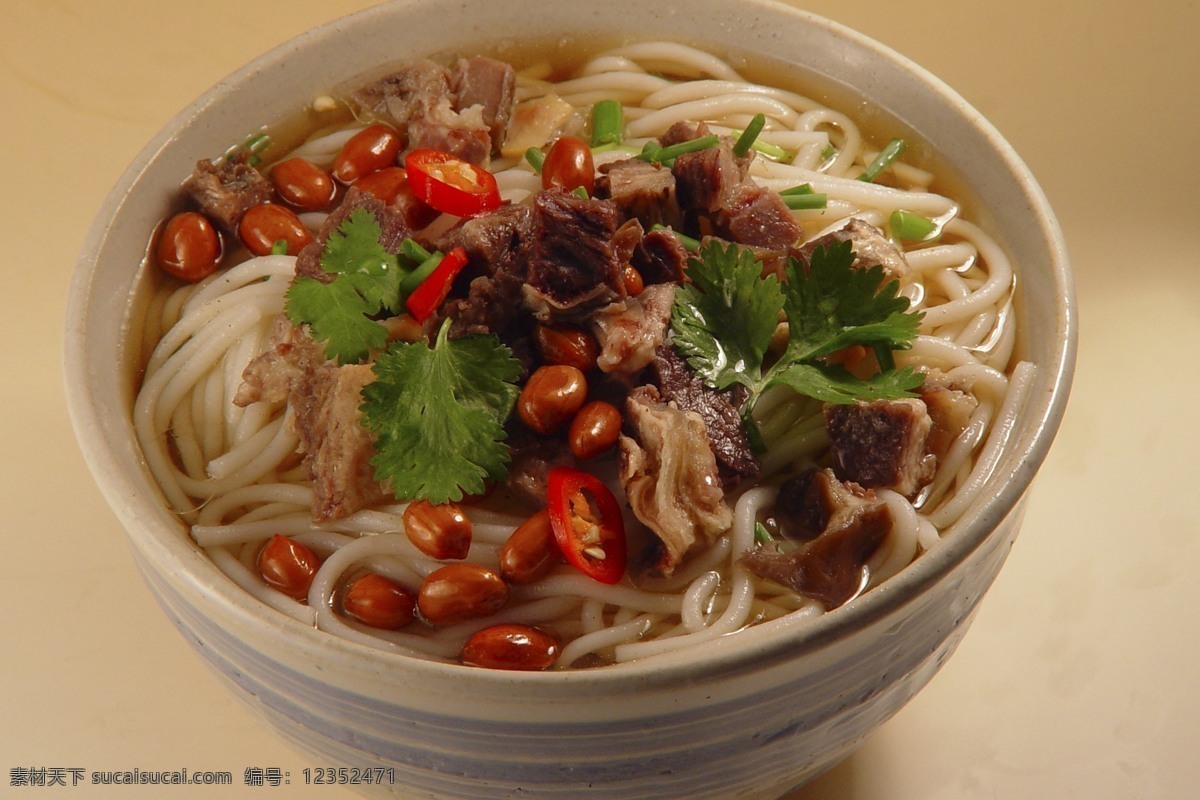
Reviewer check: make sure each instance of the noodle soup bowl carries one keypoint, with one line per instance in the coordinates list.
(750, 715)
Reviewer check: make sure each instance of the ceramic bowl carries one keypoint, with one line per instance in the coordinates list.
(756, 714)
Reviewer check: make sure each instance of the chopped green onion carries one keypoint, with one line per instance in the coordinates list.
(761, 534)
(608, 120)
(746, 140)
(279, 248)
(414, 252)
(414, 279)
(536, 158)
(882, 161)
(804, 188)
(802, 201)
(580, 192)
(649, 151)
(665, 155)
(689, 244)
(911, 227)
(773, 151)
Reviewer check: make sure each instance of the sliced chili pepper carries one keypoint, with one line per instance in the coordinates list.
(587, 523)
(432, 291)
(451, 185)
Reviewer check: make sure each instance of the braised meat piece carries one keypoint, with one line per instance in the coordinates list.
(491, 85)
(337, 449)
(832, 567)
(492, 238)
(670, 476)
(715, 184)
(572, 262)
(677, 382)
(393, 231)
(225, 190)
(880, 443)
(950, 410)
(813, 500)
(758, 217)
(464, 112)
(631, 332)
(641, 190)
(870, 247)
(706, 180)
(289, 353)
(405, 94)
(493, 243)
(660, 257)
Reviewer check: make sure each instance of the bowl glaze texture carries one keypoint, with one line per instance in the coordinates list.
(755, 714)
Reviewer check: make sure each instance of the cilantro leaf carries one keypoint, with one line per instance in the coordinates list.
(727, 294)
(833, 305)
(336, 313)
(723, 321)
(834, 384)
(438, 416)
(367, 282)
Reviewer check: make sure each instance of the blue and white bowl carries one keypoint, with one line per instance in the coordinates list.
(753, 716)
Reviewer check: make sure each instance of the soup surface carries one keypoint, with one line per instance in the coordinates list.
(540, 369)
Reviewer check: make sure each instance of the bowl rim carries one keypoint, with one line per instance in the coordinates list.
(150, 528)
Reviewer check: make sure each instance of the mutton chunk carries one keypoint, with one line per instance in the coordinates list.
(493, 245)
(571, 259)
(492, 86)
(271, 375)
(631, 332)
(225, 190)
(950, 409)
(641, 190)
(706, 180)
(670, 476)
(337, 449)
(758, 217)
(714, 183)
(831, 568)
(880, 444)
(464, 112)
(405, 94)
(870, 247)
(660, 257)
(677, 382)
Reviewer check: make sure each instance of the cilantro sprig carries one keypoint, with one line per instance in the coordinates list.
(367, 282)
(723, 321)
(438, 415)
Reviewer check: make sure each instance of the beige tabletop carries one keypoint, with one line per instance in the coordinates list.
(1079, 677)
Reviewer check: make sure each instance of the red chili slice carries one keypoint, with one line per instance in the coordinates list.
(431, 292)
(451, 185)
(587, 523)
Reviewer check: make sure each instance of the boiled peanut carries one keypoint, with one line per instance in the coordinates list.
(551, 397)
(267, 223)
(632, 280)
(302, 183)
(288, 566)
(373, 148)
(530, 551)
(442, 531)
(460, 592)
(511, 646)
(594, 430)
(379, 602)
(189, 247)
(565, 345)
